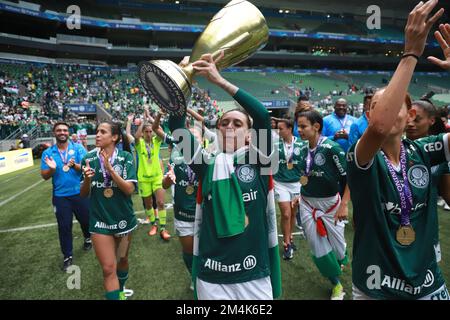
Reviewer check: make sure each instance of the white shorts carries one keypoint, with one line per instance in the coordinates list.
(260, 289)
(286, 191)
(183, 228)
(439, 294)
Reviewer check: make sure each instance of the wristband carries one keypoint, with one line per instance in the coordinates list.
(410, 55)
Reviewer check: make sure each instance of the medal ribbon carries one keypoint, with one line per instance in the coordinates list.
(404, 192)
(191, 175)
(106, 175)
(66, 155)
(289, 152)
(311, 154)
(149, 149)
(343, 123)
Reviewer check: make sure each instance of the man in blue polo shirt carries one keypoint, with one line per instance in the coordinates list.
(62, 163)
(337, 125)
(357, 129)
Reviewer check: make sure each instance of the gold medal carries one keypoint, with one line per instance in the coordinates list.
(66, 168)
(190, 190)
(304, 180)
(108, 193)
(406, 235)
(290, 165)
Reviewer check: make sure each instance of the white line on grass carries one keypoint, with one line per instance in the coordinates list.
(18, 194)
(20, 174)
(40, 226)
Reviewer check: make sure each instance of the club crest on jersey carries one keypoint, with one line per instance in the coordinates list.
(122, 224)
(246, 173)
(118, 169)
(319, 159)
(297, 151)
(71, 152)
(418, 176)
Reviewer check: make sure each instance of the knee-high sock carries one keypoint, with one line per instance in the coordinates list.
(162, 218)
(187, 258)
(122, 275)
(151, 215)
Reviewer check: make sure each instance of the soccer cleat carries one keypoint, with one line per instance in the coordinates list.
(165, 235)
(446, 207)
(192, 285)
(293, 246)
(144, 221)
(67, 263)
(153, 230)
(288, 252)
(441, 202)
(127, 292)
(122, 295)
(87, 245)
(338, 292)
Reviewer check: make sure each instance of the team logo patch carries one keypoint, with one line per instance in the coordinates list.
(429, 279)
(122, 224)
(246, 173)
(297, 151)
(418, 176)
(319, 159)
(249, 262)
(118, 169)
(71, 152)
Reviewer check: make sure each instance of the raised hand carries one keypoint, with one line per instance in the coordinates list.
(88, 172)
(443, 37)
(418, 26)
(130, 117)
(171, 175)
(206, 66)
(106, 162)
(183, 63)
(71, 162)
(50, 162)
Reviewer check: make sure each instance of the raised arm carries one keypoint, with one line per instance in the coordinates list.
(128, 127)
(390, 100)
(138, 133)
(443, 37)
(157, 128)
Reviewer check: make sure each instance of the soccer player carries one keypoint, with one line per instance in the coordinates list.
(235, 243)
(61, 162)
(324, 199)
(287, 185)
(420, 127)
(150, 177)
(391, 186)
(109, 179)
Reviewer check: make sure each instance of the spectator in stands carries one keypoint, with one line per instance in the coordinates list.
(357, 129)
(336, 126)
(61, 162)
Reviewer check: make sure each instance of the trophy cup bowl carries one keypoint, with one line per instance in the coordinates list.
(239, 29)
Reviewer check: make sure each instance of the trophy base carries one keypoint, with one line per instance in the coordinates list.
(167, 85)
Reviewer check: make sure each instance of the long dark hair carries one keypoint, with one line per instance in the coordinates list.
(432, 112)
(116, 129)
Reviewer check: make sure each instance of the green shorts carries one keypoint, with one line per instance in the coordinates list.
(148, 187)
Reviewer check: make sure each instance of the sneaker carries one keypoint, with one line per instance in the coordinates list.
(153, 230)
(122, 295)
(338, 292)
(288, 252)
(293, 246)
(67, 263)
(87, 245)
(165, 235)
(441, 202)
(446, 207)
